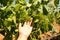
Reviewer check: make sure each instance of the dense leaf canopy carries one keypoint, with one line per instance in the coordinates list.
(41, 12)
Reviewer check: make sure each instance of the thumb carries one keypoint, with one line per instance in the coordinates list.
(20, 25)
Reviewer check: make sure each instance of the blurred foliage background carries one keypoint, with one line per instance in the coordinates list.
(41, 12)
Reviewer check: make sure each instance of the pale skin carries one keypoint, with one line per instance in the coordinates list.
(24, 31)
(1, 37)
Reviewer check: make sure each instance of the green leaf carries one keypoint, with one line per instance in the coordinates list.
(17, 7)
(9, 28)
(56, 2)
(45, 12)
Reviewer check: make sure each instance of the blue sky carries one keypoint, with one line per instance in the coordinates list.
(27, 0)
(59, 4)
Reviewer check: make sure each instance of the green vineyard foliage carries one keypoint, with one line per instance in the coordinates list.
(41, 12)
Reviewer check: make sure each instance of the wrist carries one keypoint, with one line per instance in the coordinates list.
(25, 35)
(22, 37)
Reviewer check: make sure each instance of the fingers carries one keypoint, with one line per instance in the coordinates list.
(20, 25)
(28, 23)
(25, 23)
(30, 29)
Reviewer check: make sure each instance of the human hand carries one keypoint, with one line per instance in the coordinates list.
(1, 37)
(26, 29)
